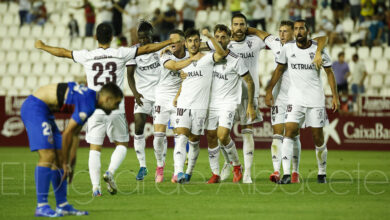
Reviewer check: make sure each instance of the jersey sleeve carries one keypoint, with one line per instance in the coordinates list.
(241, 67)
(282, 58)
(131, 62)
(165, 58)
(272, 42)
(258, 42)
(326, 60)
(210, 45)
(79, 56)
(129, 53)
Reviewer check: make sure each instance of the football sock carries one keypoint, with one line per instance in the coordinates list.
(94, 168)
(287, 150)
(321, 155)
(193, 154)
(117, 158)
(139, 147)
(42, 184)
(180, 153)
(214, 160)
(296, 154)
(224, 154)
(276, 151)
(248, 148)
(165, 148)
(60, 188)
(159, 145)
(232, 153)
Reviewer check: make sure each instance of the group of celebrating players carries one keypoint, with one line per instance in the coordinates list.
(191, 85)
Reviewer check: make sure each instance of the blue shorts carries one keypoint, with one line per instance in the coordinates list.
(39, 122)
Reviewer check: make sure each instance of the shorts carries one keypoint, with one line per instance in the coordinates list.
(193, 119)
(278, 114)
(41, 129)
(146, 108)
(315, 117)
(342, 87)
(241, 113)
(223, 118)
(164, 114)
(114, 125)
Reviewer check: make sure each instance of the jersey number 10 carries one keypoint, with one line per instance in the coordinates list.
(110, 66)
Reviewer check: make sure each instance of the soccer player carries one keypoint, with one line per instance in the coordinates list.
(280, 94)
(147, 69)
(57, 155)
(306, 98)
(103, 65)
(248, 47)
(172, 61)
(224, 98)
(192, 102)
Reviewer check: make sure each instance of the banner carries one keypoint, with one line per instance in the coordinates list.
(344, 132)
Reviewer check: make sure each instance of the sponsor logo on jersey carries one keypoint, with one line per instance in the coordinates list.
(195, 74)
(156, 57)
(149, 67)
(102, 57)
(219, 75)
(293, 56)
(246, 55)
(82, 116)
(249, 43)
(299, 66)
(195, 63)
(311, 54)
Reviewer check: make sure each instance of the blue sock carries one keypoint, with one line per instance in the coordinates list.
(42, 183)
(60, 188)
(187, 146)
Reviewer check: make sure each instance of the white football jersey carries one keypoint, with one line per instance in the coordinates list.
(169, 82)
(147, 74)
(226, 86)
(103, 66)
(306, 85)
(249, 50)
(195, 90)
(280, 91)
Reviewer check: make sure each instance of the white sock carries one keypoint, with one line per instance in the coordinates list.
(94, 168)
(322, 156)
(225, 154)
(231, 150)
(214, 160)
(193, 154)
(165, 148)
(158, 143)
(296, 154)
(139, 147)
(117, 158)
(287, 150)
(276, 151)
(179, 153)
(248, 148)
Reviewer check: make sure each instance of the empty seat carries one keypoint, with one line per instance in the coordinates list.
(50, 68)
(348, 25)
(363, 52)
(6, 82)
(43, 80)
(53, 42)
(35, 56)
(335, 52)
(31, 82)
(201, 18)
(3, 8)
(46, 57)
(214, 17)
(8, 19)
(3, 31)
(6, 44)
(48, 30)
(13, 68)
(37, 69)
(23, 56)
(18, 82)
(11, 56)
(65, 42)
(56, 79)
(12, 92)
(18, 44)
(387, 53)
(13, 31)
(376, 53)
(376, 81)
(24, 92)
(3, 69)
(76, 70)
(68, 78)
(89, 43)
(382, 66)
(349, 52)
(369, 65)
(76, 44)
(63, 69)
(29, 44)
(36, 31)
(60, 31)
(25, 31)
(25, 68)
(387, 81)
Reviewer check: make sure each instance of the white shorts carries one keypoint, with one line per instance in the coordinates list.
(146, 108)
(193, 119)
(163, 114)
(241, 113)
(114, 125)
(278, 114)
(315, 117)
(223, 118)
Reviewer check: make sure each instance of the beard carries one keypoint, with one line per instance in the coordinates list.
(301, 39)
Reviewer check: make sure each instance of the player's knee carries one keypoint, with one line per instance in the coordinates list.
(212, 139)
(193, 138)
(224, 137)
(318, 139)
(291, 133)
(139, 129)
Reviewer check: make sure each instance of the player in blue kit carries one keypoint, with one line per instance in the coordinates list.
(57, 154)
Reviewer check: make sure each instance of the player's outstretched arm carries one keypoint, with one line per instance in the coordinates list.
(322, 42)
(254, 31)
(251, 112)
(220, 53)
(56, 51)
(153, 47)
(269, 100)
(178, 65)
(131, 82)
(333, 87)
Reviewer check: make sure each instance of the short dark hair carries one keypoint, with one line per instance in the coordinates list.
(341, 54)
(302, 21)
(191, 32)
(287, 23)
(222, 27)
(145, 26)
(355, 56)
(239, 15)
(112, 89)
(177, 31)
(104, 33)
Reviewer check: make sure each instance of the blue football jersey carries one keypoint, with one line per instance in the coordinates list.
(82, 100)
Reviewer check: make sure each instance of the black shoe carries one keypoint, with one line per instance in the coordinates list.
(321, 178)
(285, 180)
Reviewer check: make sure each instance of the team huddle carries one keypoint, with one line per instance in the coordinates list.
(195, 87)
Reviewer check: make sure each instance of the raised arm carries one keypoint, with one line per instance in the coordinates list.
(131, 82)
(322, 41)
(333, 87)
(251, 112)
(257, 32)
(55, 51)
(153, 47)
(269, 100)
(220, 53)
(178, 65)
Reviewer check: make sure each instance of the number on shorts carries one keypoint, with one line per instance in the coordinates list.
(157, 108)
(110, 66)
(46, 128)
(289, 108)
(180, 111)
(274, 110)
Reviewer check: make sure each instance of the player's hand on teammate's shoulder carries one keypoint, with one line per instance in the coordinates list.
(39, 44)
(317, 60)
(165, 50)
(183, 75)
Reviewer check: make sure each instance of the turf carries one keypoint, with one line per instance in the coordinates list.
(358, 188)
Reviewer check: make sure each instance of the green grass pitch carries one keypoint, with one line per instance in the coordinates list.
(357, 188)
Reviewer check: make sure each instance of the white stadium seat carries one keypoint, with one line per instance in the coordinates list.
(214, 17)
(8, 19)
(23, 56)
(363, 52)
(387, 53)
(89, 43)
(12, 56)
(46, 57)
(6, 44)
(349, 52)
(18, 82)
(376, 81)
(376, 53)
(3, 30)
(335, 52)
(76, 70)
(201, 18)
(24, 92)
(35, 56)
(348, 25)
(12, 92)
(25, 68)
(53, 42)
(6, 82)
(3, 69)
(31, 82)
(63, 69)
(387, 81)
(37, 69)
(29, 44)
(48, 30)
(68, 78)
(50, 68)
(43, 80)
(3, 8)
(76, 44)
(13, 8)
(25, 31)
(382, 66)
(13, 31)
(65, 42)
(18, 44)
(36, 31)
(369, 63)
(13, 68)
(56, 79)
(60, 31)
